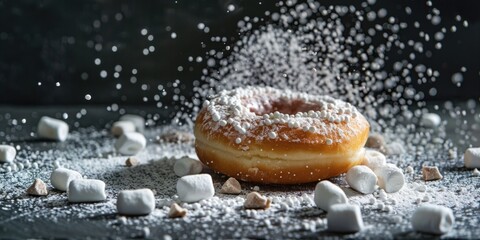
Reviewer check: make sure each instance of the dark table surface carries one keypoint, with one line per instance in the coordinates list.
(89, 146)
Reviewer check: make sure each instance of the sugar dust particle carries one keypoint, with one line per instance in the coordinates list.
(457, 78)
(88, 97)
(144, 32)
(201, 26)
(231, 8)
(173, 35)
(98, 61)
(103, 74)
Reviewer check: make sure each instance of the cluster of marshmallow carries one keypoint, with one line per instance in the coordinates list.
(129, 129)
(78, 189)
(240, 109)
(375, 170)
(341, 216)
(346, 218)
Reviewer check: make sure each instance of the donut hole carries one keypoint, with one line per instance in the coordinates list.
(285, 106)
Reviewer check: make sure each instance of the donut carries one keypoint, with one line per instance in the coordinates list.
(268, 135)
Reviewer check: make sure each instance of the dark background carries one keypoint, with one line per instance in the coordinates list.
(48, 48)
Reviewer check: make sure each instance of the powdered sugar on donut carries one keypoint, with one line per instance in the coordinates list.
(277, 112)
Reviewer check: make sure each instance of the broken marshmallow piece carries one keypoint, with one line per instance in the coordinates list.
(61, 177)
(176, 211)
(121, 127)
(256, 201)
(7, 153)
(231, 186)
(472, 158)
(327, 194)
(362, 179)
(193, 188)
(38, 188)
(138, 121)
(431, 173)
(430, 120)
(390, 178)
(86, 190)
(187, 166)
(344, 218)
(475, 172)
(53, 129)
(376, 141)
(429, 218)
(131, 161)
(130, 143)
(135, 202)
(374, 159)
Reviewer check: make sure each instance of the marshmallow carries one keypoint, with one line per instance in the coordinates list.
(53, 129)
(472, 158)
(256, 201)
(374, 159)
(434, 219)
(61, 177)
(344, 218)
(138, 121)
(121, 127)
(431, 173)
(390, 178)
(130, 143)
(187, 166)
(7, 153)
(327, 194)
(193, 188)
(38, 188)
(362, 179)
(430, 120)
(86, 190)
(135, 202)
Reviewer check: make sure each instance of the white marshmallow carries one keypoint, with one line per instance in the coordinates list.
(187, 166)
(86, 190)
(121, 127)
(327, 194)
(193, 188)
(390, 178)
(61, 177)
(135, 202)
(130, 143)
(430, 120)
(472, 158)
(7, 153)
(138, 121)
(53, 129)
(374, 159)
(362, 179)
(434, 219)
(345, 218)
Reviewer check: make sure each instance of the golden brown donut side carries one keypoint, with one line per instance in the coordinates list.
(278, 160)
